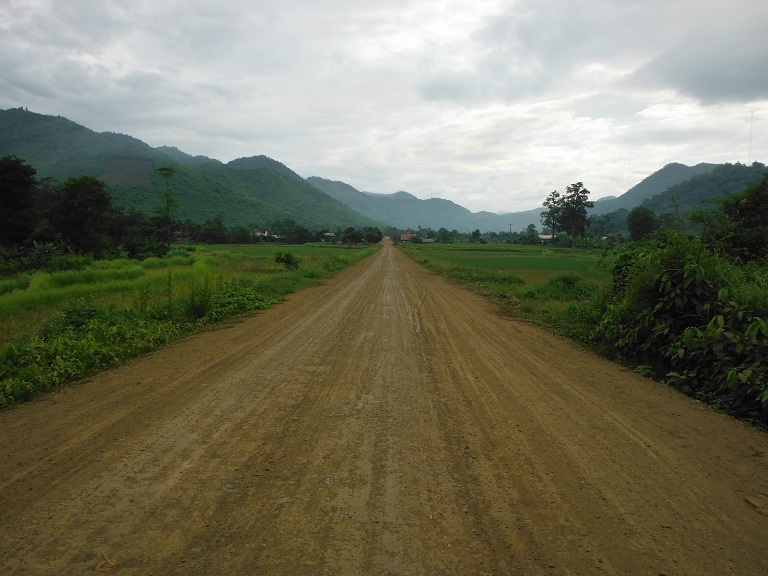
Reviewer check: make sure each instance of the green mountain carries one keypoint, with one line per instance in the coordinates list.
(699, 191)
(259, 190)
(253, 191)
(657, 183)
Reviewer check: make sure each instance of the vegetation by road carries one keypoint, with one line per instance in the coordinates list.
(59, 326)
(384, 422)
(548, 284)
(667, 307)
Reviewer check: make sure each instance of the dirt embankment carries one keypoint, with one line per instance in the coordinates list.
(385, 422)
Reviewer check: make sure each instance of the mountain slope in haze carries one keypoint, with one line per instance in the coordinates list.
(255, 191)
(403, 210)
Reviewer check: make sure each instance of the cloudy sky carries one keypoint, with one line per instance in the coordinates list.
(489, 103)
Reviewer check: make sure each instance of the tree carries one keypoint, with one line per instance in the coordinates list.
(551, 218)
(443, 236)
(601, 225)
(167, 211)
(82, 213)
(372, 235)
(214, 231)
(641, 221)
(530, 235)
(740, 228)
(573, 215)
(351, 236)
(18, 186)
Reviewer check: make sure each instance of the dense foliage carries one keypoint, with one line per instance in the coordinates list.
(641, 222)
(740, 227)
(691, 318)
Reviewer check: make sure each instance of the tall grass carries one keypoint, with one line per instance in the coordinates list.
(60, 327)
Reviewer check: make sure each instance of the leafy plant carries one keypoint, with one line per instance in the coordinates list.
(288, 260)
(674, 313)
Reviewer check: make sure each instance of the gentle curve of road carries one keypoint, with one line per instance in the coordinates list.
(386, 422)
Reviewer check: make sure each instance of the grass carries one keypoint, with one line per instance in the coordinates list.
(28, 301)
(58, 327)
(557, 287)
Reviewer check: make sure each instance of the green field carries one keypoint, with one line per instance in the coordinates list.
(29, 301)
(534, 264)
(554, 286)
(58, 327)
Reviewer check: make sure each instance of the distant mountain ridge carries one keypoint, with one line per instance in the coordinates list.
(404, 210)
(253, 191)
(410, 212)
(258, 190)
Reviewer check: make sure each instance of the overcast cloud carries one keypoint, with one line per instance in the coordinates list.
(492, 104)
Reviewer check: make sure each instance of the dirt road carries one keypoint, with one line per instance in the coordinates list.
(385, 422)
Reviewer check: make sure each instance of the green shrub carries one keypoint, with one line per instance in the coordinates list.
(288, 260)
(674, 311)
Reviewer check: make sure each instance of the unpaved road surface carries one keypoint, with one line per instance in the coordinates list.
(385, 422)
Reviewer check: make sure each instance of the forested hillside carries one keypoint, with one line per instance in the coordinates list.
(657, 183)
(256, 191)
(699, 191)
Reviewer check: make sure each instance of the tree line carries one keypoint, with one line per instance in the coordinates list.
(42, 220)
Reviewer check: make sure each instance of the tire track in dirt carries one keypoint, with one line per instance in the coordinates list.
(385, 422)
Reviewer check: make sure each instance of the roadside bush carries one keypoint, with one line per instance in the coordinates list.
(288, 260)
(673, 311)
(69, 353)
(69, 262)
(334, 263)
(237, 296)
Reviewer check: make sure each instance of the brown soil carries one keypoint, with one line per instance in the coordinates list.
(386, 422)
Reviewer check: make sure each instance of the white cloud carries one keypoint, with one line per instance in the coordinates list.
(489, 103)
